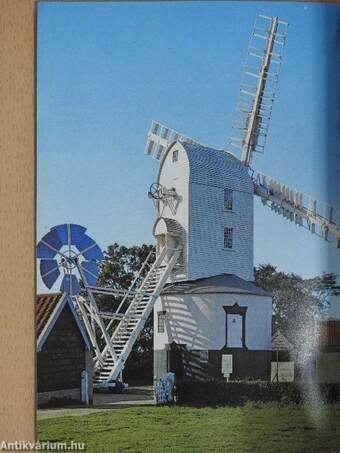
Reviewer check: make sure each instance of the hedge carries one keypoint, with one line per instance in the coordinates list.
(220, 393)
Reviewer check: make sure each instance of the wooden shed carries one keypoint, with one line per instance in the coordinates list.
(64, 358)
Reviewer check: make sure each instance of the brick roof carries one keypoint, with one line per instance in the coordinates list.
(46, 304)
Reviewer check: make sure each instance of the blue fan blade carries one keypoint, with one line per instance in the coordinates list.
(76, 231)
(70, 285)
(44, 252)
(89, 249)
(62, 233)
(49, 272)
(93, 254)
(52, 239)
(90, 266)
(47, 266)
(91, 272)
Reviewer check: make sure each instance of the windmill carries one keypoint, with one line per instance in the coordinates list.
(250, 130)
(113, 333)
(210, 306)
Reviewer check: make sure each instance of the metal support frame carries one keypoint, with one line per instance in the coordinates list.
(97, 317)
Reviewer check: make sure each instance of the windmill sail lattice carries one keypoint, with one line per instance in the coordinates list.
(160, 137)
(258, 85)
(318, 217)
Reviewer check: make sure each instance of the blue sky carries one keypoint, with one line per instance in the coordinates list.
(105, 70)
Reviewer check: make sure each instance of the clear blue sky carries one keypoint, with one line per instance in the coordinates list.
(106, 69)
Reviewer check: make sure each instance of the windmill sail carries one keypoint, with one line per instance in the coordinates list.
(258, 85)
(318, 217)
(160, 137)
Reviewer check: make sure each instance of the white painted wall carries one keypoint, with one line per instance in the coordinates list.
(207, 256)
(176, 175)
(199, 321)
(200, 176)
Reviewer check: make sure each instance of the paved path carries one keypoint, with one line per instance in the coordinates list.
(134, 396)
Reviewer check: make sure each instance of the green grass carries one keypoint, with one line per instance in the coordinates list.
(251, 428)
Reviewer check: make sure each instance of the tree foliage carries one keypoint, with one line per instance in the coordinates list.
(297, 303)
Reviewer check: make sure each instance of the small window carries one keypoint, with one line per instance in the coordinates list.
(161, 321)
(228, 199)
(204, 356)
(175, 156)
(228, 238)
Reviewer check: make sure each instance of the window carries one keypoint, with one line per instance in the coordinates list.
(175, 156)
(228, 238)
(204, 356)
(228, 199)
(161, 321)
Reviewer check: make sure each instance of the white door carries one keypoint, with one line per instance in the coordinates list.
(234, 331)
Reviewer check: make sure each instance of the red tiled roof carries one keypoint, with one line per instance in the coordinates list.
(46, 304)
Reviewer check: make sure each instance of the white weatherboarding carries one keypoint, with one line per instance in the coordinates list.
(188, 226)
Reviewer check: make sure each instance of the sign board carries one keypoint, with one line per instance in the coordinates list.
(227, 364)
(284, 370)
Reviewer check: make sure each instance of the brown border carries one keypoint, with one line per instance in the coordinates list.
(17, 228)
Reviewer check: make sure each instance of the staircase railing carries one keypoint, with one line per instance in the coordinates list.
(156, 263)
(158, 275)
(117, 368)
(128, 293)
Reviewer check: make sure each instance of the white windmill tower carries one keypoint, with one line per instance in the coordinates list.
(204, 204)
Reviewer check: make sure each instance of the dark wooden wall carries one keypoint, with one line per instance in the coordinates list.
(330, 334)
(191, 365)
(62, 358)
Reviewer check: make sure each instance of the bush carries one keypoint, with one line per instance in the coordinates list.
(221, 393)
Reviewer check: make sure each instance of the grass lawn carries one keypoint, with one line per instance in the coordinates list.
(251, 428)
